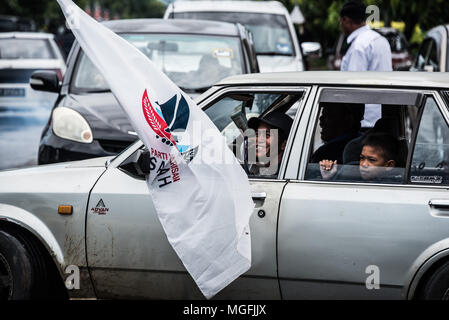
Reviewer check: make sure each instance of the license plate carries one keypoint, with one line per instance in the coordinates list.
(12, 92)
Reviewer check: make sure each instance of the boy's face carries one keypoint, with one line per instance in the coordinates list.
(373, 163)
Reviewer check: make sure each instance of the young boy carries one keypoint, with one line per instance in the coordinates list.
(380, 154)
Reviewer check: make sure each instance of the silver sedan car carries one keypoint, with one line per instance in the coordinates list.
(89, 228)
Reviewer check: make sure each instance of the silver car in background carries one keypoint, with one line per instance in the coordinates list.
(433, 55)
(276, 43)
(311, 238)
(22, 53)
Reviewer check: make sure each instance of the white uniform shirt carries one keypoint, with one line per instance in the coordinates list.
(369, 51)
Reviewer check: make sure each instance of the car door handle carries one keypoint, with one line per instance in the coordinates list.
(259, 195)
(439, 203)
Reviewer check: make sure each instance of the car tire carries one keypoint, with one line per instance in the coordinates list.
(22, 271)
(437, 286)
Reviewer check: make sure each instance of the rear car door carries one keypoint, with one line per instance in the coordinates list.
(353, 238)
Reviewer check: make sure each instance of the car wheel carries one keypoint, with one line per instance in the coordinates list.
(437, 287)
(22, 271)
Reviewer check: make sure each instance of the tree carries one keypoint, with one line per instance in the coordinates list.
(322, 15)
(47, 14)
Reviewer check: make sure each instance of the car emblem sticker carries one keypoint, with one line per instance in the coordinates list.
(100, 208)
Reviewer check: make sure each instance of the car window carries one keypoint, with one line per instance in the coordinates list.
(192, 62)
(233, 115)
(26, 49)
(397, 43)
(270, 31)
(433, 57)
(421, 59)
(341, 150)
(430, 162)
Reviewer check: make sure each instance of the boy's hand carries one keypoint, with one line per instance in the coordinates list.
(328, 169)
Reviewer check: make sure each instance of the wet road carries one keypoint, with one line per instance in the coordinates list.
(20, 132)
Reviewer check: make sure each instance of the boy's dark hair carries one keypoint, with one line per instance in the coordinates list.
(389, 145)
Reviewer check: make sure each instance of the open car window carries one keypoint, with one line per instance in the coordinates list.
(343, 150)
(232, 114)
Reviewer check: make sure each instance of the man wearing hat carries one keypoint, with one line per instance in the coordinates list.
(269, 143)
(368, 50)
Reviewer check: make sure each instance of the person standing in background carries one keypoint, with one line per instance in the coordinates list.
(367, 50)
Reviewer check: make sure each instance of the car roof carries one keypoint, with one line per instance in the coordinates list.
(26, 35)
(273, 7)
(189, 26)
(396, 79)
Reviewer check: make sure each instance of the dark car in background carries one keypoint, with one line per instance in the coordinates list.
(433, 53)
(402, 59)
(87, 120)
(13, 23)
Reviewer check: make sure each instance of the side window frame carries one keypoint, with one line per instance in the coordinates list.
(313, 122)
(306, 89)
(443, 107)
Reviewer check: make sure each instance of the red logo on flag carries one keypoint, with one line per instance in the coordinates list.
(156, 122)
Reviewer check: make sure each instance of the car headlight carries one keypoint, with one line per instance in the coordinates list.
(69, 124)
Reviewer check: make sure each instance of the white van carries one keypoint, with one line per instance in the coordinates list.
(274, 35)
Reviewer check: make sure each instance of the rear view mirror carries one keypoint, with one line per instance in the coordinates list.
(163, 46)
(45, 81)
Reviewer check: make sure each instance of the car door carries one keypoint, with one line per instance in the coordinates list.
(432, 52)
(357, 239)
(128, 252)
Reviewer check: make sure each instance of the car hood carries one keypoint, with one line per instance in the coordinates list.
(104, 114)
(76, 176)
(279, 64)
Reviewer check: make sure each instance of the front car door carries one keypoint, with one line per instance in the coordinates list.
(128, 252)
(347, 237)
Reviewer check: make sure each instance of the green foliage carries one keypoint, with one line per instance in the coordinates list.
(322, 16)
(47, 14)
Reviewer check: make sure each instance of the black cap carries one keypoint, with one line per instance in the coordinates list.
(276, 120)
(354, 10)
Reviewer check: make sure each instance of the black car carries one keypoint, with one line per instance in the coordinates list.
(87, 121)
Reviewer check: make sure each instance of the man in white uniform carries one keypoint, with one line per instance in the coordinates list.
(368, 50)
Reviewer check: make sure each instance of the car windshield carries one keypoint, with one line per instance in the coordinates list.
(193, 62)
(25, 49)
(270, 31)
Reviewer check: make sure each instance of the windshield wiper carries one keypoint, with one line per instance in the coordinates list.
(273, 53)
(98, 91)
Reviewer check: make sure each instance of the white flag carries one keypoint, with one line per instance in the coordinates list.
(201, 194)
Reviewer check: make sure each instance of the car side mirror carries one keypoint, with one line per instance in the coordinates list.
(139, 164)
(310, 49)
(45, 81)
(429, 68)
(145, 163)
